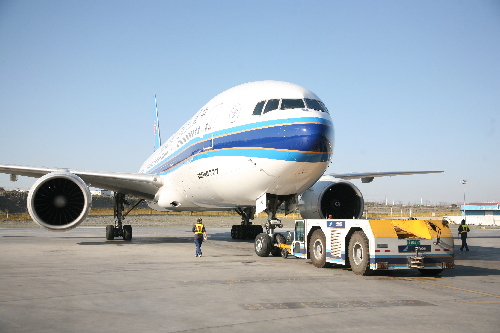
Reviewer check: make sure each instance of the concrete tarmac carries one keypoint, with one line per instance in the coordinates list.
(76, 281)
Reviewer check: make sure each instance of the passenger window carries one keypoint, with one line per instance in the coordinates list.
(316, 105)
(271, 105)
(258, 108)
(292, 104)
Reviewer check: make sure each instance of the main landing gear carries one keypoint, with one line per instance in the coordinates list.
(245, 230)
(120, 230)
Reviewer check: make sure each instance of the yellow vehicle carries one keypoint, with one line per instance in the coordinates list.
(366, 245)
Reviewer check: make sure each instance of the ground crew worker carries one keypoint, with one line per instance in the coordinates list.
(463, 229)
(199, 234)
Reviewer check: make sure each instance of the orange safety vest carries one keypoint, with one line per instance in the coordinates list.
(198, 228)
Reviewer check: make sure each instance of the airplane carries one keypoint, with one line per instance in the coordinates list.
(252, 148)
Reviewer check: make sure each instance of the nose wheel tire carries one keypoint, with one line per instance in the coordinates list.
(263, 245)
(280, 239)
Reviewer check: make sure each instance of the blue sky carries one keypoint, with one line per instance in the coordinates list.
(411, 85)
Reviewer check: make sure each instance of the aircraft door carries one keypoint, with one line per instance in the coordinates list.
(209, 144)
(212, 123)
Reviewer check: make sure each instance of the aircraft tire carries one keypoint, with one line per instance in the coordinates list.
(110, 232)
(127, 232)
(257, 229)
(263, 245)
(236, 232)
(359, 253)
(245, 232)
(318, 248)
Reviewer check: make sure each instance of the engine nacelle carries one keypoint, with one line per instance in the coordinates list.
(59, 201)
(341, 200)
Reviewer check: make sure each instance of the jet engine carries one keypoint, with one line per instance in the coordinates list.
(340, 200)
(59, 201)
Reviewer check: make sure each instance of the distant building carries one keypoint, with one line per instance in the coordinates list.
(482, 213)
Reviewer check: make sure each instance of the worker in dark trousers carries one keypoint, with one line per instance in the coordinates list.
(463, 229)
(199, 234)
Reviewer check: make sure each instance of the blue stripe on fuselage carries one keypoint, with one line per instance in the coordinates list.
(299, 139)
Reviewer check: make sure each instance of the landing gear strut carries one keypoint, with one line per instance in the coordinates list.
(245, 230)
(264, 242)
(120, 230)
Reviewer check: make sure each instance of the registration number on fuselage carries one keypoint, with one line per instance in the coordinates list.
(208, 173)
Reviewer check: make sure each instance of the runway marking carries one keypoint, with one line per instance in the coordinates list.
(489, 302)
(421, 280)
(332, 305)
(245, 281)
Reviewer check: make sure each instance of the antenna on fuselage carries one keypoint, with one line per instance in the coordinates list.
(157, 128)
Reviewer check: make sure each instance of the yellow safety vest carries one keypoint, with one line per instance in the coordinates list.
(465, 228)
(198, 229)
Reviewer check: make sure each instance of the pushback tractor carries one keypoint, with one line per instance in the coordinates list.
(365, 245)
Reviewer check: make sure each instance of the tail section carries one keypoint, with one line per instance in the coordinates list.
(157, 128)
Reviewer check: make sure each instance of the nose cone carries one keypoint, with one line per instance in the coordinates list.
(309, 149)
(313, 142)
(318, 138)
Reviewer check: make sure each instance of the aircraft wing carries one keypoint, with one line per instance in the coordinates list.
(140, 185)
(367, 177)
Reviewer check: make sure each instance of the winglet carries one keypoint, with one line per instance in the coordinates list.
(157, 127)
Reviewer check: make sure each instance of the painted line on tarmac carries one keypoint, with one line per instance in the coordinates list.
(478, 302)
(246, 281)
(450, 287)
(331, 305)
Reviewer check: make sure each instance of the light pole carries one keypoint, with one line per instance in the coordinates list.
(464, 182)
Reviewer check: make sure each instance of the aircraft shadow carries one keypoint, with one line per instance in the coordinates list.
(141, 241)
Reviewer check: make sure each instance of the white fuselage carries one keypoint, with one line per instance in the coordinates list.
(229, 155)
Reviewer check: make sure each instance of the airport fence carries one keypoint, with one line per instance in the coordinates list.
(296, 215)
(146, 211)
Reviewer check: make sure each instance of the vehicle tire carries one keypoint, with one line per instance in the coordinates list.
(280, 239)
(430, 272)
(263, 245)
(110, 232)
(359, 253)
(127, 232)
(317, 248)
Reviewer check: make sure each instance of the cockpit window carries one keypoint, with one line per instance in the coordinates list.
(316, 105)
(258, 108)
(292, 104)
(271, 105)
(285, 104)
